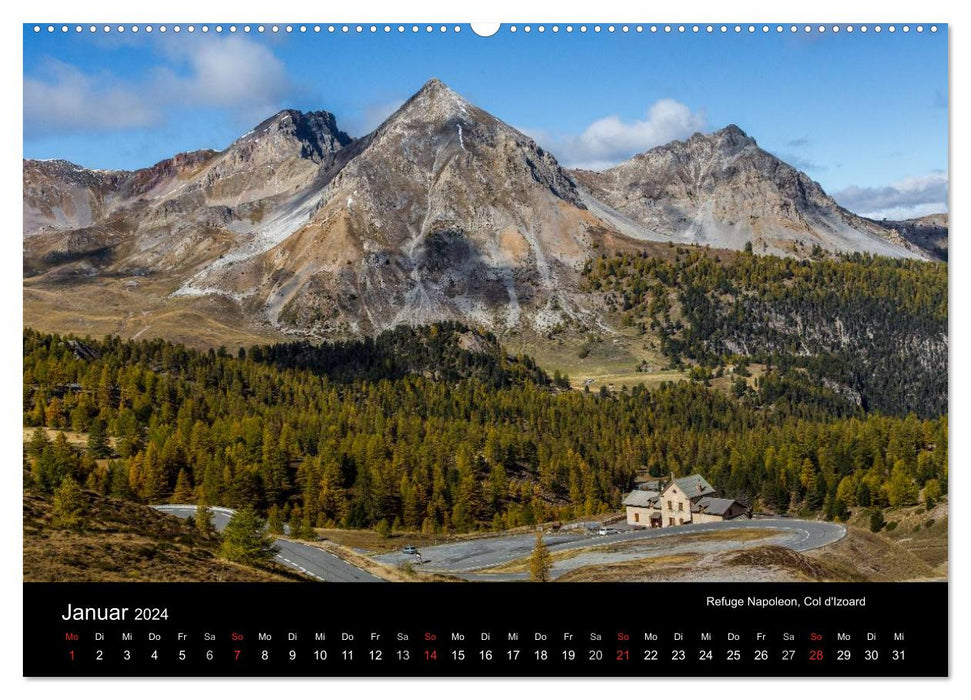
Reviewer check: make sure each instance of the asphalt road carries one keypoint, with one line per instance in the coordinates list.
(468, 556)
(312, 561)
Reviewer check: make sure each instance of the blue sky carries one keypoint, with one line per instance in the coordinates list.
(863, 114)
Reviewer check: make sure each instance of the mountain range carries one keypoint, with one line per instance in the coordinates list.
(443, 212)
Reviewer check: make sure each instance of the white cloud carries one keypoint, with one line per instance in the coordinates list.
(912, 197)
(230, 73)
(70, 100)
(610, 140)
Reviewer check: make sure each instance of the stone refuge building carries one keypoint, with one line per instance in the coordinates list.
(689, 499)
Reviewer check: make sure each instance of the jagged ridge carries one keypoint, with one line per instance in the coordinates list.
(721, 189)
(443, 212)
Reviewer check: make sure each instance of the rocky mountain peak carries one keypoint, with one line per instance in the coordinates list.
(435, 85)
(316, 133)
(733, 138)
(435, 90)
(437, 104)
(727, 142)
(722, 189)
(437, 121)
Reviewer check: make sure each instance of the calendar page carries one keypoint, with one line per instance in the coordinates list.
(485, 350)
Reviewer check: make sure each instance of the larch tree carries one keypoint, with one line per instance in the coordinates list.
(540, 561)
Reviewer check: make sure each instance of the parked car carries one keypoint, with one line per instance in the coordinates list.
(606, 531)
(410, 549)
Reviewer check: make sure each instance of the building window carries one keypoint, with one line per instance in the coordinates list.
(670, 507)
(680, 505)
(670, 521)
(680, 521)
(637, 517)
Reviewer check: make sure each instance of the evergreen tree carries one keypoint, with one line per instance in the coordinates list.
(118, 486)
(540, 561)
(98, 445)
(876, 520)
(245, 540)
(68, 505)
(274, 521)
(840, 510)
(305, 531)
(204, 518)
(38, 441)
(901, 489)
(56, 461)
(183, 488)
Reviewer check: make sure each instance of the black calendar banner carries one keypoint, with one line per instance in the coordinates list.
(486, 629)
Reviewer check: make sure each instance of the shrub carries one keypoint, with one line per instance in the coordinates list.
(383, 529)
(876, 521)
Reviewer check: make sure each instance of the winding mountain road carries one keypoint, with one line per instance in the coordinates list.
(467, 558)
(314, 562)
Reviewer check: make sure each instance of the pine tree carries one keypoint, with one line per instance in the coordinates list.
(204, 518)
(53, 414)
(98, 440)
(155, 488)
(876, 520)
(840, 510)
(306, 530)
(98, 480)
(57, 461)
(540, 561)
(245, 539)
(128, 433)
(68, 505)
(274, 521)
(183, 488)
(901, 489)
(38, 441)
(118, 485)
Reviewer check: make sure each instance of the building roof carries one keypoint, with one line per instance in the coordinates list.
(715, 506)
(694, 486)
(641, 499)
